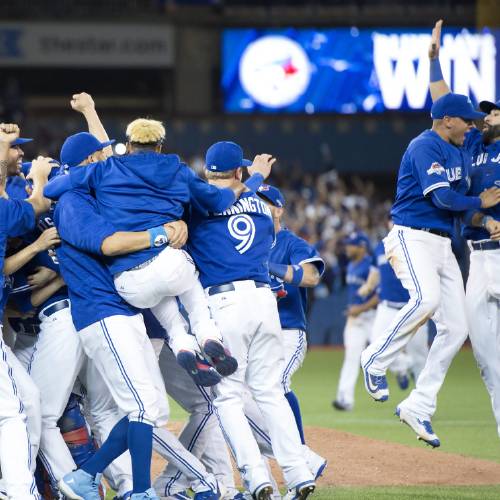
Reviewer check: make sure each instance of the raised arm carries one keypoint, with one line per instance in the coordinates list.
(438, 86)
(84, 104)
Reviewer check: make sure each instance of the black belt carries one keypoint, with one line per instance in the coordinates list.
(486, 245)
(58, 306)
(444, 234)
(229, 287)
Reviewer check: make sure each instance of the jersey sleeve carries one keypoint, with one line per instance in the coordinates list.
(17, 217)
(427, 167)
(45, 259)
(81, 225)
(207, 196)
(85, 178)
(300, 252)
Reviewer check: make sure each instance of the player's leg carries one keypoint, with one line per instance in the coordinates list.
(416, 257)
(265, 368)
(417, 350)
(356, 334)
(55, 363)
(15, 450)
(483, 321)
(200, 429)
(238, 322)
(103, 414)
(451, 324)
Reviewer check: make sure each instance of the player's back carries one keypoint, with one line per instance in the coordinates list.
(232, 245)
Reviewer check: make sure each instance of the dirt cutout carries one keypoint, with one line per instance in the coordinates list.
(359, 461)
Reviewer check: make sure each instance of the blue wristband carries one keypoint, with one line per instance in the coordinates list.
(298, 273)
(278, 270)
(436, 73)
(157, 237)
(254, 182)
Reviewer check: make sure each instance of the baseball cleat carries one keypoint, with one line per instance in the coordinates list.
(199, 369)
(341, 406)
(181, 495)
(146, 495)
(125, 496)
(403, 381)
(301, 491)
(78, 485)
(209, 494)
(263, 492)
(422, 428)
(376, 386)
(220, 357)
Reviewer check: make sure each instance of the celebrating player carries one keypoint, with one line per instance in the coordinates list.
(432, 182)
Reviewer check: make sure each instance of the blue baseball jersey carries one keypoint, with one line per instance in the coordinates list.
(16, 188)
(234, 244)
(485, 174)
(139, 191)
(289, 249)
(390, 288)
(91, 289)
(357, 274)
(429, 163)
(16, 218)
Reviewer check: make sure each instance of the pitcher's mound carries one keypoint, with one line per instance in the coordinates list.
(360, 461)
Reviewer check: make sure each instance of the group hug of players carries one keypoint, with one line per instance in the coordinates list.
(127, 277)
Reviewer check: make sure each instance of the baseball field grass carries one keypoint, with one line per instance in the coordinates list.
(463, 421)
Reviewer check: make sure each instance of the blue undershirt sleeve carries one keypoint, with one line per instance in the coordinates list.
(447, 199)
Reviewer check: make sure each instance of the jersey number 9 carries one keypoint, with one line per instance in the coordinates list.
(242, 228)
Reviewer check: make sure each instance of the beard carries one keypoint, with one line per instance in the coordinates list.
(491, 133)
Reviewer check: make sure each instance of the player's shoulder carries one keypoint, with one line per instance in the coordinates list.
(427, 139)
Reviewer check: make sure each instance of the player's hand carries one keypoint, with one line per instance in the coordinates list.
(82, 102)
(177, 233)
(490, 197)
(435, 40)
(47, 239)
(262, 165)
(40, 168)
(354, 311)
(9, 132)
(41, 276)
(493, 227)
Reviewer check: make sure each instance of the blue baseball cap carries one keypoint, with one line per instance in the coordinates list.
(272, 195)
(225, 155)
(357, 239)
(488, 106)
(78, 147)
(20, 140)
(455, 105)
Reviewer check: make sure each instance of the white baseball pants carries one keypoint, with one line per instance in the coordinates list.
(415, 353)
(171, 274)
(483, 314)
(15, 449)
(56, 361)
(295, 344)
(425, 265)
(249, 321)
(357, 333)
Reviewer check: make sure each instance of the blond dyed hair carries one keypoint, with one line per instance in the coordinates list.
(145, 131)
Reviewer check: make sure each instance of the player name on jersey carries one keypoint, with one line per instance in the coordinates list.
(244, 205)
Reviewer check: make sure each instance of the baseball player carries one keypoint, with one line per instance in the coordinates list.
(145, 189)
(360, 316)
(114, 338)
(433, 178)
(231, 249)
(17, 217)
(482, 230)
(393, 297)
(299, 266)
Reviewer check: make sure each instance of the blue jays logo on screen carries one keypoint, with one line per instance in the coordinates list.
(275, 71)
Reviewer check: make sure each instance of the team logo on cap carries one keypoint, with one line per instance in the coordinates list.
(436, 168)
(275, 71)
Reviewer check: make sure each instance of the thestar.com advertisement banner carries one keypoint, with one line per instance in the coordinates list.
(351, 70)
